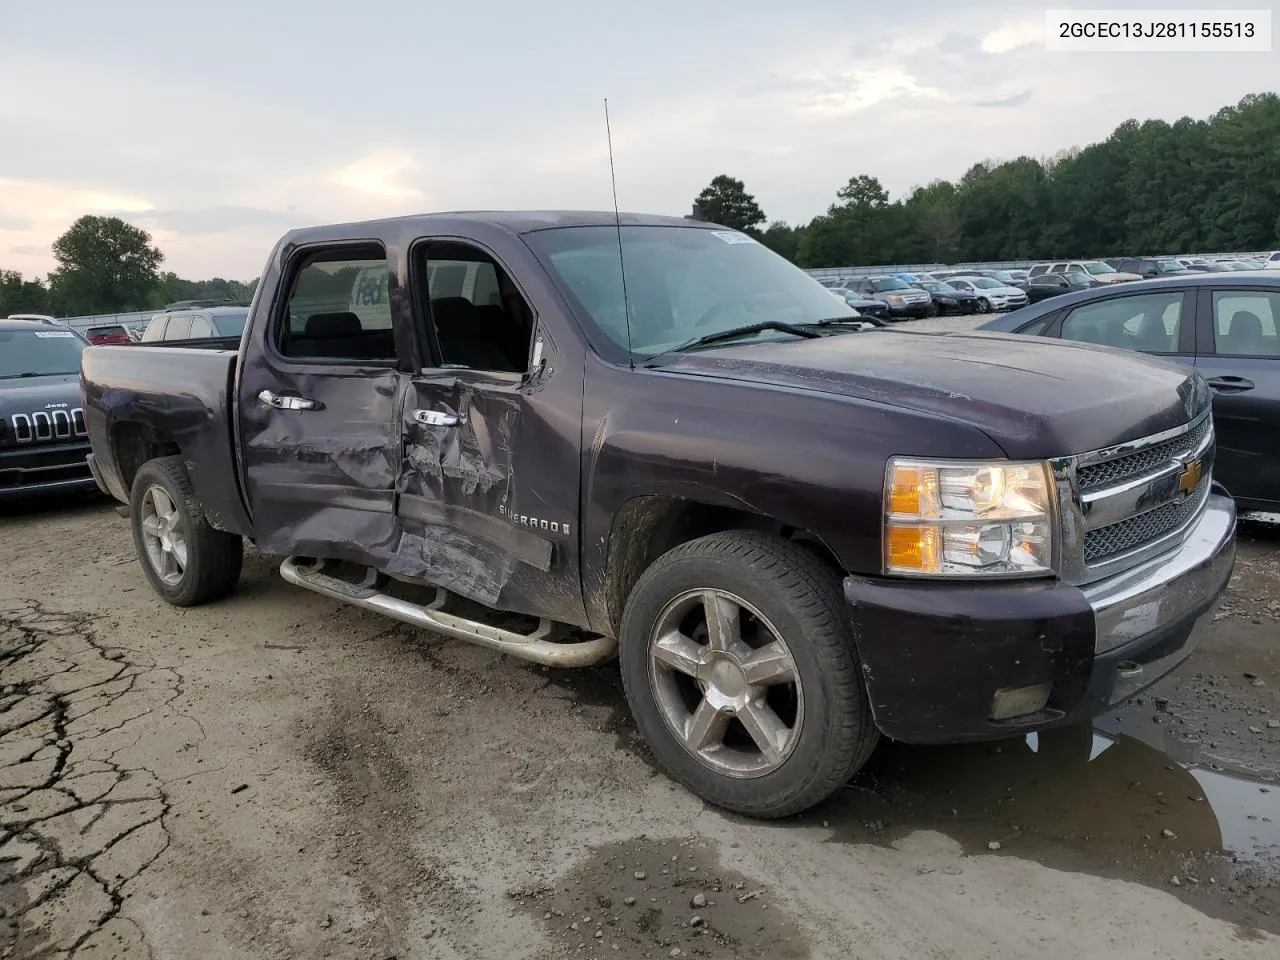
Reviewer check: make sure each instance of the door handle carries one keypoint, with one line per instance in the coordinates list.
(1231, 384)
(270, 399)
(434, 418)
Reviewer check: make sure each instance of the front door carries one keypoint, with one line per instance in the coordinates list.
(319, 424)
(489, 489)
(1239, 355)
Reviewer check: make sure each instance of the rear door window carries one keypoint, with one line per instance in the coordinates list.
(179, 328)
(338, 308)
(1244, 323)
(200, 327)
(1150, 323)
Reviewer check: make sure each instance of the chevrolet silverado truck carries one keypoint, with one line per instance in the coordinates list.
(43, 440)
(570, 438)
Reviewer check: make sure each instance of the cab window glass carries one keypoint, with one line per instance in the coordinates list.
(1244, 323)
(1150, 323)
(339, 308)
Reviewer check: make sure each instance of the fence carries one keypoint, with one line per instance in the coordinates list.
(824, 272)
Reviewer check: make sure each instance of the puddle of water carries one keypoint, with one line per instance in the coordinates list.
(658, 898)
(1095, 800)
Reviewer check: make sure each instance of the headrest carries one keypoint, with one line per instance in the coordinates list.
(453, 316)
(333, 325)
(1245, 324)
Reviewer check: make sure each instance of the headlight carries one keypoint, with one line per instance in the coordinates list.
(894, 297)
(964, 519)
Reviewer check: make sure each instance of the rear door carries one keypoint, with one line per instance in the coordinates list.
(1239, 355)
(319, 432)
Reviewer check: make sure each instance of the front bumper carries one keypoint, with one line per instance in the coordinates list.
(935, 654)
(921, 309)
(30, 471)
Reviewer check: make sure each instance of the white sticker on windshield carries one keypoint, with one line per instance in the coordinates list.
(58, 334)
(732, 236)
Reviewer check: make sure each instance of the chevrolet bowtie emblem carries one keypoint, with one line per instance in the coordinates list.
(1190, 478)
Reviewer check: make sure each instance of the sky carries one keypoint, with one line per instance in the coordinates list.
(216, 127)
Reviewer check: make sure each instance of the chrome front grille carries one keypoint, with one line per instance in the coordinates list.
(1119, 538)
(1133, 501)
(1144, 460)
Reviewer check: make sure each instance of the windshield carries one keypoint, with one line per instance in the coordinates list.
(882, 284)
(1096, 268)
(1000, 275)
(681, 283)
(986, 283)
(231, 324)
(936, 286)
(39, 353)
(1169, 265)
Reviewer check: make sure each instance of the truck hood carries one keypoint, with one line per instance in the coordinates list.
(1036, 398)
(32, 394)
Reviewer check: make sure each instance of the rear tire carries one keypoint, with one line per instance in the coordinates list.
(185, 559)
(710, 694)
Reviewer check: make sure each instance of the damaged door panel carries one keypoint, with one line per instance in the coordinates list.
(481, 514)
(488, 491)
(318, 406)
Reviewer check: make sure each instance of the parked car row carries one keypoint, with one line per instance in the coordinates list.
(911, 296)
(961, 290)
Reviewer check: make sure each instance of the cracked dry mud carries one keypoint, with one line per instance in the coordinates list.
(280, 776)
(77, 825)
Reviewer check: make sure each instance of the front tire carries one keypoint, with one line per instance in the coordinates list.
(984, 305)
(739, 666)
(185, 559)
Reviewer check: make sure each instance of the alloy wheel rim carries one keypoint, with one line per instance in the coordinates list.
(164, 535)
(725, 683)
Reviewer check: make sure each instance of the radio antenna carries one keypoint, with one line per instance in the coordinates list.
(617, 222)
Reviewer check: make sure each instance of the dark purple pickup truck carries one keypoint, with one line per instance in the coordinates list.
(570, 439)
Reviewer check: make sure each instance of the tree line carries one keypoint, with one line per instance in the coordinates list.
(106, 265)
(1149, 188)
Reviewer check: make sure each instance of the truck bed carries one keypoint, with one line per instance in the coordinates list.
(182, 389)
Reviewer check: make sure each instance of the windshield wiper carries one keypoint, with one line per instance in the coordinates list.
(748, 330)
(861, 318)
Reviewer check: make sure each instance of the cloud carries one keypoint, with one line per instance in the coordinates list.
(840, 93)
(1016, 100)
(1013, 35)
(380, 174)
(28, 251)
(958, 43)
(14, 223)
(222, 219)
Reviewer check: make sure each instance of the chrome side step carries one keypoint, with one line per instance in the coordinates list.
(535, 647)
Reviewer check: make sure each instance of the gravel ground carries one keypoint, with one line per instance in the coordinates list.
(280, 776)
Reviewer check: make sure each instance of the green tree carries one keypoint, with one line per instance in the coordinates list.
(726, 201)
(22, 296)
(783, 239)
(174, 288)
(105, 266)
(863, 191)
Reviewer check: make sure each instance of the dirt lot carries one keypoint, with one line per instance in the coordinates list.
(280, 776)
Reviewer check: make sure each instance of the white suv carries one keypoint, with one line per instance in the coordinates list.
(1099, 271)
(1273, 261)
